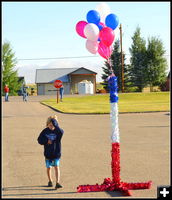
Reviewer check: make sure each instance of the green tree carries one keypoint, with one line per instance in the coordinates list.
(115, 60)
(138, 61)
(156, 63)
(9, 74)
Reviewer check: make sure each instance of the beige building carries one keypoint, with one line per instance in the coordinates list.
(71, 78)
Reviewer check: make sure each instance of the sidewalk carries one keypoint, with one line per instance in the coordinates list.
(38, 97)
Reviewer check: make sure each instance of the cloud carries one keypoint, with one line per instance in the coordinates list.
(29, 70)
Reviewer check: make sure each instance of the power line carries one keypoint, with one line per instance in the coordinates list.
(66, 57)
(57, 58)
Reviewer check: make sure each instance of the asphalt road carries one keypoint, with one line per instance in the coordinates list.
(86, 151)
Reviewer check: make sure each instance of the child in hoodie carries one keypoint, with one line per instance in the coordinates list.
(51, 137)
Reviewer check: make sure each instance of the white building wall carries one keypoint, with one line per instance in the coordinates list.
(51, 90)
(40, 89)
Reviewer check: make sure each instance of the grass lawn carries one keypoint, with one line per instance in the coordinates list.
(128, 102)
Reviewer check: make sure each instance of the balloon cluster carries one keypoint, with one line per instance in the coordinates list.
(99, 30)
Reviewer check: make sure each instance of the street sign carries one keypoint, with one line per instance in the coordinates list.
(58, 84)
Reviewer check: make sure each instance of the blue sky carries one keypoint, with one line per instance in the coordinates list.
(47, 30)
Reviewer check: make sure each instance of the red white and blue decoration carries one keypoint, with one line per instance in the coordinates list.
(101, 42)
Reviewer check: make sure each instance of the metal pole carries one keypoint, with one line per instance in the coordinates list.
(57, 95)
(122, 60)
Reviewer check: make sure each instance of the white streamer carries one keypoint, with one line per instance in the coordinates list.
(114, 123)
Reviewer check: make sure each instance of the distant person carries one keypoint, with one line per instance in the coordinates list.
(6, 90)
(51, 137)
(61, 93)
(25, 94)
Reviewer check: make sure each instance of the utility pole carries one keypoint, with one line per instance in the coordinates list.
(122, 59)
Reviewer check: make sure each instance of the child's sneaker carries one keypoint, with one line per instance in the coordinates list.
(50, 184)
(58, 186)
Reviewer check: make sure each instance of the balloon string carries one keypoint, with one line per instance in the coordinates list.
(110, 67)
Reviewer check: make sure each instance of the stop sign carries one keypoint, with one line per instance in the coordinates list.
(58, 84)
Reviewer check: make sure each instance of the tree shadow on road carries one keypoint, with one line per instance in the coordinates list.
(36, 187)
(24, 187)
(51, 190)
(32, 188)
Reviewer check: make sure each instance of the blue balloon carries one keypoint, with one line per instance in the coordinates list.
(93, 17)
(112, 21)
(99, 26)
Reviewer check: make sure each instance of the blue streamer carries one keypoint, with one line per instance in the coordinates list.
(113, 87)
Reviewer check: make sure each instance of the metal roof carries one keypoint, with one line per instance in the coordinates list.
(50, 75)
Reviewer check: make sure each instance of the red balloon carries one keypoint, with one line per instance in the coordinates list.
(104, 51)
(107, 36)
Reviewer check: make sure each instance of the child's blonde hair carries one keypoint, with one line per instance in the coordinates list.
(49, 119)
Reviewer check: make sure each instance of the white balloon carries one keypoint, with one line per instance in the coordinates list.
(91, 31)
(91, 46)
(103, 10)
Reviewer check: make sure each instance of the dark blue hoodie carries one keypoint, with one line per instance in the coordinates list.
(51, 151)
